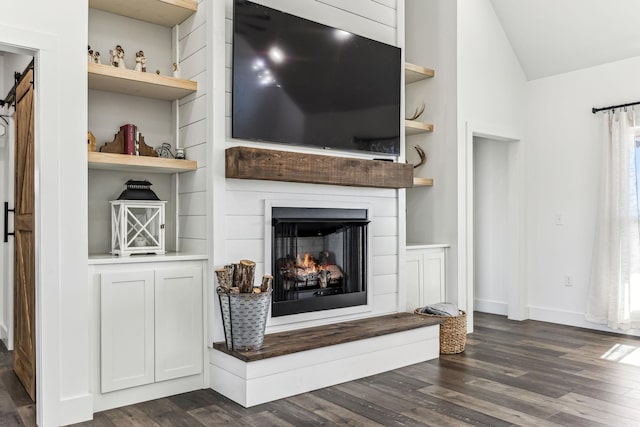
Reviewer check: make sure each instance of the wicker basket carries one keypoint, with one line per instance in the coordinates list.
(453, 332)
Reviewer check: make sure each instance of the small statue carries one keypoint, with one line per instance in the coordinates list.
(96, 57)
(141, 62)
(90, 54)
(117, 57)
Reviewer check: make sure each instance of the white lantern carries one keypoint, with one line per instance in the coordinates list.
(137, 226)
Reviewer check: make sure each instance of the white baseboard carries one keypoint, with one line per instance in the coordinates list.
(76, 409)
(262, 381)
(133, 395)
(491, 307)
(571, 318)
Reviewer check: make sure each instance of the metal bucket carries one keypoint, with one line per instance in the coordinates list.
(244, 317)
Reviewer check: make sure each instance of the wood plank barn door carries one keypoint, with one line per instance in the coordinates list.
(24, 362)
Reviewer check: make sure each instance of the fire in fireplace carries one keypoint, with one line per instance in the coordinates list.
(319, 259)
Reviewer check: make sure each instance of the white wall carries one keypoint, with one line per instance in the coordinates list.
(239, 205)
(4, 247)
(491, 95)
(490, 214)
(564, 139)
(193, 223)
(61, 223)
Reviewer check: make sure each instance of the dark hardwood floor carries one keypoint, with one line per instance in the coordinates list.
(16, 407)
(512, 373)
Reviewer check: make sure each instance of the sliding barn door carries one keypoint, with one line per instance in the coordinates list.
(24, 362)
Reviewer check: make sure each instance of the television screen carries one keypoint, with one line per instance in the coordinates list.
(299, 82)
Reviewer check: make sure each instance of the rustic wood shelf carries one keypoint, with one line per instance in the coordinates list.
(412, 127)
(422, 182)
(414, 73)
(127, 163)
(131, 82)
(275, 165)
(162, 12)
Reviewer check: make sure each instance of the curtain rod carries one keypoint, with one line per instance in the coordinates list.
(631, 104)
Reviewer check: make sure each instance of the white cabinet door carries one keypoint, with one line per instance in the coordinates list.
(178, 311)
(126, 329)
(414, 280)
(434, 274)
(426, 277)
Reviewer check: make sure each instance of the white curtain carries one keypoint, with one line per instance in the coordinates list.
(615, 276)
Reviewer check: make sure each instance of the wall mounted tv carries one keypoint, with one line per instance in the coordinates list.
(299, 82)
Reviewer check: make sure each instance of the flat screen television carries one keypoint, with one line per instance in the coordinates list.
(299, 82)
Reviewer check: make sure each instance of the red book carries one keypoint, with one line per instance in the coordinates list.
(129, 138)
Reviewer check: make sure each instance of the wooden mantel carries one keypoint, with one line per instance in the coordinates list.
(275, 165)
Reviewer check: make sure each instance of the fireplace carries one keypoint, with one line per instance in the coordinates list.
(319, 259)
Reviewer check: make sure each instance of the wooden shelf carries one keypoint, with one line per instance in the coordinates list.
(422, 182)
(412, 127)
(131, 82)
(414, 73)
(162, 12)
(275, 165)
(127, 163)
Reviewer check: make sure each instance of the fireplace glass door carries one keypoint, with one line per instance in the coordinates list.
(319, 259)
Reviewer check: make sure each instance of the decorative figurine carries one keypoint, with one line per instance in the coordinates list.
(117, 57)
(89, 54)
(141, 62)
(96, 57)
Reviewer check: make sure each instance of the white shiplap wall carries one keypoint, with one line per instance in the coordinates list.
(239, 205)
(192, 118)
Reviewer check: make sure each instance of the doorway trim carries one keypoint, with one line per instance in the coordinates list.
(516, 201)
(45, 50)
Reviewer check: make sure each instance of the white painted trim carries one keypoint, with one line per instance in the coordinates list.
(148, 392)
(571, 318)
(295, 321)
(270, 379)
(515, 275)
(77, 409)
(493, 307)
(44, 47)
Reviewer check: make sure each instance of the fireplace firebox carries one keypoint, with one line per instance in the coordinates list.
(319, 259)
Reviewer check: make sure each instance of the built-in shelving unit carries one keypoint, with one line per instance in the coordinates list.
(414, 73)
(412, 127)
(127, 163)
(131, 82)
(107, 78)
(162, 12)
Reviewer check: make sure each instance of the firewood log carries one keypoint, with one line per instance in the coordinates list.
(247, 276)
(224, 279)
(267, 279)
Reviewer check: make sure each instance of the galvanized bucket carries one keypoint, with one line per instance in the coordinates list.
(244, 317)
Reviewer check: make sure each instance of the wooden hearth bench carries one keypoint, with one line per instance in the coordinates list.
(302, 360)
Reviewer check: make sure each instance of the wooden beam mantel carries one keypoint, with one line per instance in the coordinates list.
(275, 165)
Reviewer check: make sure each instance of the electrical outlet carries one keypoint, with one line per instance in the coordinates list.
(558, 219)
(567, 280)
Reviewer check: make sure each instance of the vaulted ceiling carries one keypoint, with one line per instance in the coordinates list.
(556, 36)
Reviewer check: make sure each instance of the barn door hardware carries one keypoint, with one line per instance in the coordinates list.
(6, 221)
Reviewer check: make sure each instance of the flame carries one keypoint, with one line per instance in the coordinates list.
(308, 264)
